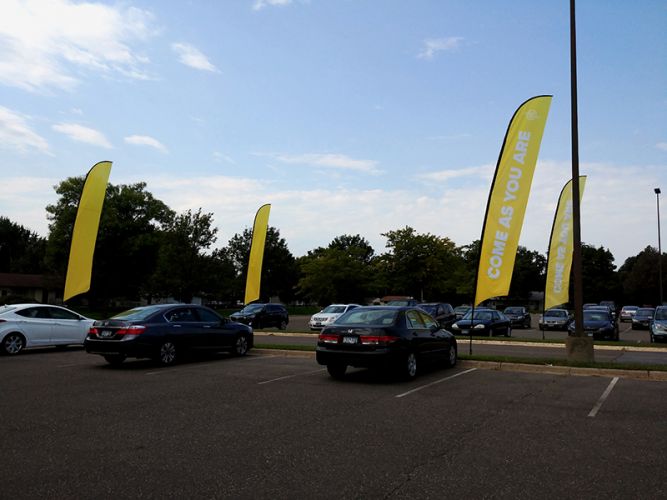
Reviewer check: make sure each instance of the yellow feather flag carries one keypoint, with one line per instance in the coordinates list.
(257, 253)
(561, 243)
(508, 198)
(80, 266)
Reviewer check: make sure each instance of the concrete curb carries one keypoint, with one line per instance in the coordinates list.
(512, 367)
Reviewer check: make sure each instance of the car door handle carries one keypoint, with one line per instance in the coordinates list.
(207, 326)
(177, 326)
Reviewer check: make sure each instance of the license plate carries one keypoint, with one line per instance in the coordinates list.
(106, 334)
(349, 340)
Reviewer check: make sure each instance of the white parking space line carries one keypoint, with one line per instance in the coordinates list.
(603, 398)
(289, 376)
(436, 382)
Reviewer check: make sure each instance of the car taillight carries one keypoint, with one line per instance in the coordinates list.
(328, 338)
(376, 339)
(131, 330)
(93, 331)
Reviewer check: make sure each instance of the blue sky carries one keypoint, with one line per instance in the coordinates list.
(348, 116)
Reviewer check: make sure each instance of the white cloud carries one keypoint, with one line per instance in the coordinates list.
(144, 140)
(191, 56)
(482, 171)
(434, 45)
(328, 160)
(15, 133)
(83, 134)
(260, 4)
(46, 45)
(662, 146)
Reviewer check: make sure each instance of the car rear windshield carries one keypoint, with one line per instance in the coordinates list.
(514, 310)
(334, 309)
(592, 315)
(370, 317)
(137, 314)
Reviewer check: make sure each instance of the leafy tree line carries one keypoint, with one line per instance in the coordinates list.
(146, 250)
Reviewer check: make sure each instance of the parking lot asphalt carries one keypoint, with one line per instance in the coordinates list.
(268, 426)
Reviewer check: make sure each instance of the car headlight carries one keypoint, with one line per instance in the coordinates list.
(480, 326)
(455, 326)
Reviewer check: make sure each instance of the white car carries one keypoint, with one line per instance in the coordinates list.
(328, 315)
(38, 325)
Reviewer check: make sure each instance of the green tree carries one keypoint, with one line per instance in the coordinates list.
(128, 240)
(342, 272)
(640, 279)
(280, 271)
(421, 265)
(600, 280)
(529, 273)
(182, 268)
(21, 250)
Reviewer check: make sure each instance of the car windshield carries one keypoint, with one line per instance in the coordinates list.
(556, 314)
(334, 310)
(462, 309)
(137, 314)
(370, 317)
(645, 312)
(593, 315)
(630, 308)
(252, 308)
(661, 313)
(483, 315)
(514, 310)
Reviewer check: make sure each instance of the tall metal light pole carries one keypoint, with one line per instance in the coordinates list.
(657, 200)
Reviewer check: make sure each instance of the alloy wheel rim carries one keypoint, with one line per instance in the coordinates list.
(241, 345)
(167, 352)
(14, 344)
(412, 364)
(452, 355)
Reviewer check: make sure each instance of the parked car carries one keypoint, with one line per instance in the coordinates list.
(485, 322)
(658, 327)
(399, 339)
(605, 308)
(165, 332)
(461, 311)
(328, 315)
(519, 316)
(262, 316)
(598, 323)
(641, 320)
(627, 312)
(40, 325)
(442, 312)
(612, 306)
(403, 303)
(555, 319)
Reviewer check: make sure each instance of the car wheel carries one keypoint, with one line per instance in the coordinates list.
(167, 353)
(240, 346)
(282, 325)
(336, 370)
(451, 356)
(115, 359)
(13, 343)
(508, 332)
(409, 366)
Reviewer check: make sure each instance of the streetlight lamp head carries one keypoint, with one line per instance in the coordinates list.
(656, 190)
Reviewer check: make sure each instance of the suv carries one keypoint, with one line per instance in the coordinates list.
(519, 316)
(262, 316)
(442, 312)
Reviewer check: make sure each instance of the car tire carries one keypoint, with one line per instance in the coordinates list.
(409, 369)
(451, 356)
(13, 343)
(337, 370)
(240, 346)
(115, 359)
(282, 325)
(167, 353)
(508, 332)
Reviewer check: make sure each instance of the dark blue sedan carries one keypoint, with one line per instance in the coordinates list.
(488, 322)
(388, 337)
(166, 332)
(598, 324)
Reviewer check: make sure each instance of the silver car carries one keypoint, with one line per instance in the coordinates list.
(555, 319)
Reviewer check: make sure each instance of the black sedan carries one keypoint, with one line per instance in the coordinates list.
(598, 324)
(165, 332)
(486, 321)
(386, 337)
(519, 316)
(442, 312)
